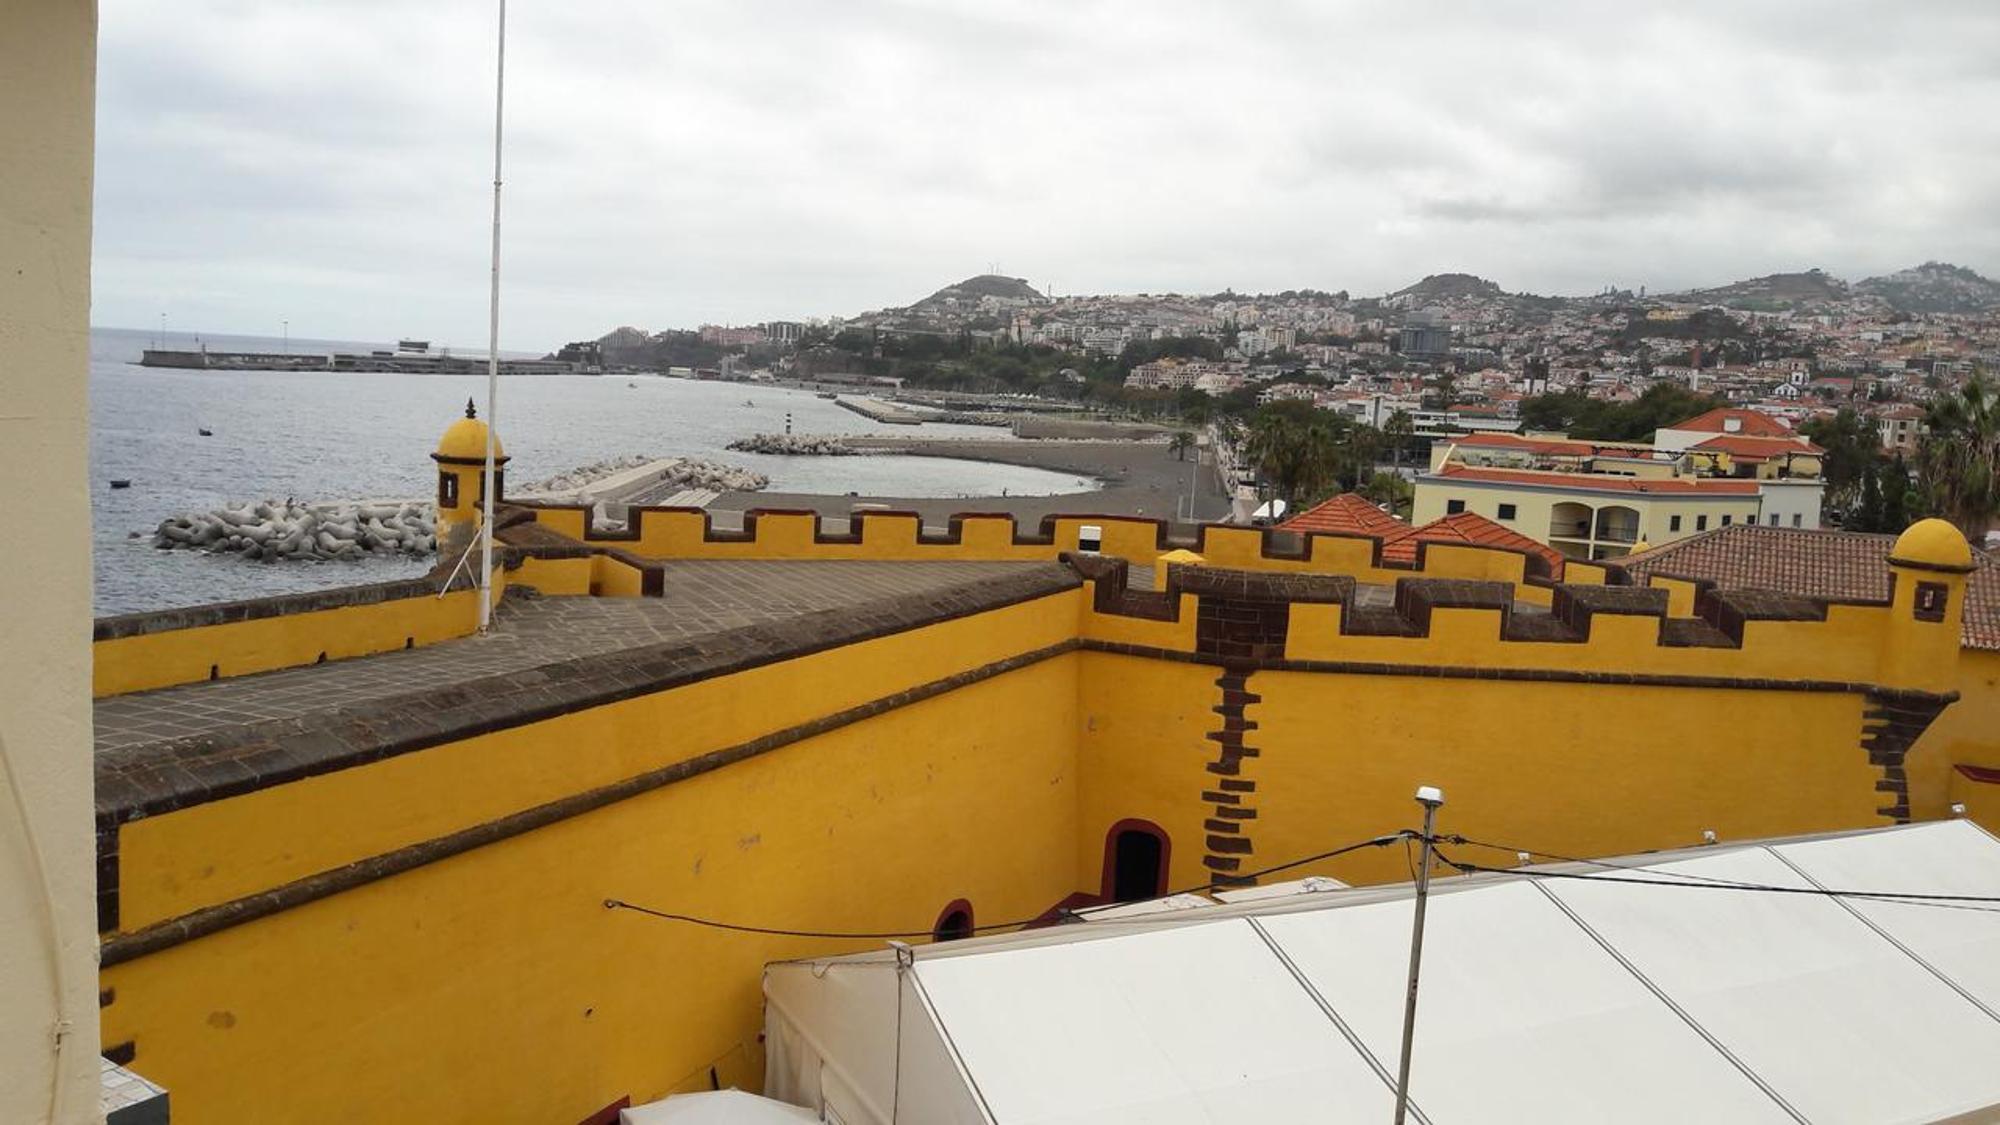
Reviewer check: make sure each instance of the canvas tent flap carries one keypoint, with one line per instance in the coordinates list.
(1830, 1014)
(1523, 1017)
(1192, 1024)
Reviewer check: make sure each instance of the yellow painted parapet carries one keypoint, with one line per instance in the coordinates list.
(142, 651)
(690, 533)
(1266, 618)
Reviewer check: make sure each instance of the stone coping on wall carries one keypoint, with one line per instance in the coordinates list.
(281, 605)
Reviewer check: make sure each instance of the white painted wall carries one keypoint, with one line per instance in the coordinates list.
(1788, 498)
(47, 872)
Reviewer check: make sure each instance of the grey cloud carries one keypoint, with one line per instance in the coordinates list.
(746, 159)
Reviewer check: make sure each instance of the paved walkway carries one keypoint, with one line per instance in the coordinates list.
(700, 599)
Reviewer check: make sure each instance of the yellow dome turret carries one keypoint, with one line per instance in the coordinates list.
(1932, 544)
(461, 464)
(465, 440)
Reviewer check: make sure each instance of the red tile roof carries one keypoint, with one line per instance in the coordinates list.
(1600, 482)
(1348, 514)
(1745, 448)
(1468, 529)
(1550, 447)
(1846, 565)
(1751, 423)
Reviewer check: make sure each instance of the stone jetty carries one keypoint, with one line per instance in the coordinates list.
(794, 445)
(287, 529)
(623, 480)
(879, 411)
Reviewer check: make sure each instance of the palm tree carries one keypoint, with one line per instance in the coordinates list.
(1399, 428)
(1297, 447)
(1181, 442)
(1958, 457)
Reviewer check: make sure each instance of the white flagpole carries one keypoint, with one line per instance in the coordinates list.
(493, 339)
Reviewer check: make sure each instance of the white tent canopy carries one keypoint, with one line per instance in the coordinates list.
(1543, 999)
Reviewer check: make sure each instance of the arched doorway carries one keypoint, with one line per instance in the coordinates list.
(954, 922)
(1135, 861)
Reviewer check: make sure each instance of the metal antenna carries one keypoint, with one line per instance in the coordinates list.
(493, 340)
(1430, 798)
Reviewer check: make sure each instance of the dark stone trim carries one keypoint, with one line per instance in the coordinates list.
(1940, 568)
(1891, 725)
(163, 776)
(1231, 799)
(253, 609)
(473, 462)
(1523, 675)
(120, 948)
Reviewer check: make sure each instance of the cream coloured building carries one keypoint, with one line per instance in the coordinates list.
(1589, 515)
(1597, 500)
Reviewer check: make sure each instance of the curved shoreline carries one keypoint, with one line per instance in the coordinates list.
(1134, 479)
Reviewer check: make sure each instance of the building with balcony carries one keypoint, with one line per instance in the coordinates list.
(1597, 499)
(1588, 515)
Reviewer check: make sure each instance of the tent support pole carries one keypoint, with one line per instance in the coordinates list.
(1430, 798)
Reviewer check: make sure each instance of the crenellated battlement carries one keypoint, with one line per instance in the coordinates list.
(664, 533)
(1422, 625)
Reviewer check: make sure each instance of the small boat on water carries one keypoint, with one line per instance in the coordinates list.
(119, 482)
(747, 402)
(204, 432)
(631, 384)
(828, 394)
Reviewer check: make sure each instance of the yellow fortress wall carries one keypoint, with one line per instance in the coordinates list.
(420, 932)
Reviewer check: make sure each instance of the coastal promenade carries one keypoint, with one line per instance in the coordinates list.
(1138, 479)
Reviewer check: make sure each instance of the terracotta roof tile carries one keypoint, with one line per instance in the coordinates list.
(1468, 529)
(1348, 514)
(1845, 565)
(1748, 448)
(1751, 423)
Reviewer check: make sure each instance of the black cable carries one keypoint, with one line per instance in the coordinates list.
(885, 935)
(1915, 897)
(1909, 898)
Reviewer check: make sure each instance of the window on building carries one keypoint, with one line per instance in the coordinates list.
(1774, 519)
(1673, 523)
(1798, 519)
(1701, 523)
(1726, 519)
(1506, 511)
(1453, 507)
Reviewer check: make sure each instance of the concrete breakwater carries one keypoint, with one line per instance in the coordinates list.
(877, 411)
(272, 530)
(626, 480)
(795, 445)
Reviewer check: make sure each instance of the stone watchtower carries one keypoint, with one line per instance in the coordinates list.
(461, 462)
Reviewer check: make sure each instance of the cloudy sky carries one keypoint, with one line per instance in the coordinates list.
(676, 162)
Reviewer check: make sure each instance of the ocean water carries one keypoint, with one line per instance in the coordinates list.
(352, 436)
